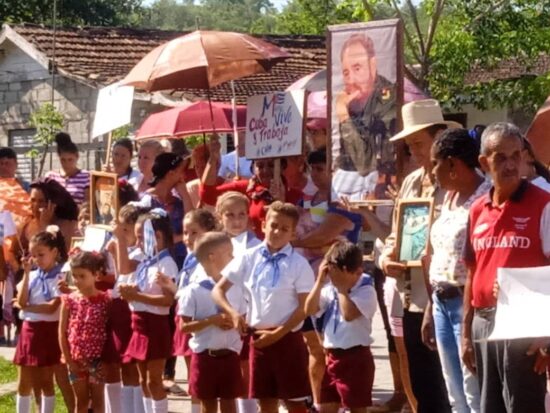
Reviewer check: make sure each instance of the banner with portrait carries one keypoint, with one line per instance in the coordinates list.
(365, 86)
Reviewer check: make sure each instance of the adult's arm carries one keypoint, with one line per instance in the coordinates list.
(333, 226)
(468, 356)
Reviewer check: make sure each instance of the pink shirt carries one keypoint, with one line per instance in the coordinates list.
(86, 329)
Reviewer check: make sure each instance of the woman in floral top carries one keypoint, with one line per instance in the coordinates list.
(454, 155)
(82, 331)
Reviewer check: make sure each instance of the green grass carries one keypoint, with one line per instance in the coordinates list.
(8, 373)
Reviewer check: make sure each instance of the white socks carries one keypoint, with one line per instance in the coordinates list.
(247, 406)
(160, 406)
(127, 400)
(23, 404)
(148, 404)
(195, 407)
(138, 400)
(47, 404)
(112, 397)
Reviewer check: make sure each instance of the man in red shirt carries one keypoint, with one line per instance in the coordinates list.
(509, 228)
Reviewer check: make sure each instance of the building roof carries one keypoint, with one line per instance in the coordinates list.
(507, 69)
(99, 56)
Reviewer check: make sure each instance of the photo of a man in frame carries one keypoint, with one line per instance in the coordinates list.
(365, 108)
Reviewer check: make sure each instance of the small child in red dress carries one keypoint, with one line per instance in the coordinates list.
(82, 331)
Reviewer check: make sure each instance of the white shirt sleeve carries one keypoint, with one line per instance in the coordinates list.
(324, 300)
(236, 270)
(306, 278)
(545, 230)
(186, 303)
(365, 300)
(169, 267)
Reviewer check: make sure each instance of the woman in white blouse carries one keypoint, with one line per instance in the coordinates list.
(455, 159)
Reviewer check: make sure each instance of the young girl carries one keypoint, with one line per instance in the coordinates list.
(82, 331)
(122, 390)
(232, 208)
(151, 343)
(37, 351)
(195, 223)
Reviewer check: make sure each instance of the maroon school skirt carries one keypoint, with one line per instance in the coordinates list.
(38, 344)
(151, 338)
(119, 332)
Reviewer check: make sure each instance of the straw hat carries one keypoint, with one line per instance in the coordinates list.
(422, 114)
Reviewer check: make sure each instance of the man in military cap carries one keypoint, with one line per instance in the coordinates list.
(365, 109)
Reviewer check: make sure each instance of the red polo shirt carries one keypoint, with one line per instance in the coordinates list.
(506, 236)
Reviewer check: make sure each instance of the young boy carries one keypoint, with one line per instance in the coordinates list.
(276, 280)
(215, 362)
(347, 303)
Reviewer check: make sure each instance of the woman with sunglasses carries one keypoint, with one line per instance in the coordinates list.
(261, 189)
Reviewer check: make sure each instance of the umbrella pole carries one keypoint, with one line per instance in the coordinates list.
(235, 131)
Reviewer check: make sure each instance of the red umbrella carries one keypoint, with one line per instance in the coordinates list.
(192, 119)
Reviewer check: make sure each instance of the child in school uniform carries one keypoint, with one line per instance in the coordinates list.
(151, 342)
(215, 343)
(276, 280)
(82, 330)
(232, 210)
(122, 389)
(38, 351)
(346, 299)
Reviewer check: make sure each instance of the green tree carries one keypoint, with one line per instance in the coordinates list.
(48, 121)
(72, 12)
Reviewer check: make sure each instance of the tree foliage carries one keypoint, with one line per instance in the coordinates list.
(48, 121)
(72, 12)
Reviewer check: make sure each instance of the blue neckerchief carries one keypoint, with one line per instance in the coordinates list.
(333, 312)
(250, 239)
(208, 284)
(42, 281)
(143, 267)
(268, 259)
(189, 265)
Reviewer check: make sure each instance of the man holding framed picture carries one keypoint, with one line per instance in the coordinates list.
(422, 122)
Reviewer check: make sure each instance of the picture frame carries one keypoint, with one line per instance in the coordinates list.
(104, 203)
(359, 130)
(76, 242)
(414, 220)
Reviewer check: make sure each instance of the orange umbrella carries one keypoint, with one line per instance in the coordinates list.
(538, 133)
(202, 60)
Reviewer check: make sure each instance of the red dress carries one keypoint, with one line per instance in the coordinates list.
(86, 329)
(259, 198)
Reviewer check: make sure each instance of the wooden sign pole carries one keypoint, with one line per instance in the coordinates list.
(108, 155)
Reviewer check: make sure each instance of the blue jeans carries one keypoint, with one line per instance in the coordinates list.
(462, 385)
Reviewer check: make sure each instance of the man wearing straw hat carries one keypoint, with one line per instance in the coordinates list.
(422, 122)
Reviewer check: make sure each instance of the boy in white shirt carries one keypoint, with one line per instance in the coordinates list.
(216, 344)
(346, 300)
(276, 281)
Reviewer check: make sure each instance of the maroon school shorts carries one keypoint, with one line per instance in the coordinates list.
(119, 332)
(151, 338)
(349, 377)
(280, 371)
(181, 340)
(216, 376)
(38, 344)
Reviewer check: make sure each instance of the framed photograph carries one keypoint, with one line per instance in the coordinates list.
(365, 95)
(103, 199)
(414, 219)
(76, 242)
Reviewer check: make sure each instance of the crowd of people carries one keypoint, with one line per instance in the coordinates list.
(260, 282)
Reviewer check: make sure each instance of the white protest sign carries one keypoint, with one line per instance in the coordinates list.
(523, 301)
(113, 108)
(275, 124)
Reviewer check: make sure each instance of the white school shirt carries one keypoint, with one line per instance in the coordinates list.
(167, 266)
(270, 305)
(197, 274)
(344, 334)
(196, 302)
(7, 226)
(137, 255)
(244, 241)
(36, 297)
